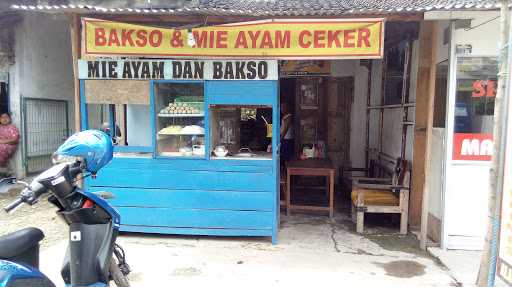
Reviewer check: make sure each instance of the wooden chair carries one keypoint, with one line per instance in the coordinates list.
(382, 195)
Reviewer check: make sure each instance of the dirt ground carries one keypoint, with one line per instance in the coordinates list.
(41, 215)
(309, 247)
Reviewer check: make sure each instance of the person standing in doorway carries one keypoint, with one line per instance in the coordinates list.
(286, 134)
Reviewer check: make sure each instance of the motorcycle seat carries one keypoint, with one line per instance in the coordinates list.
(16, 243)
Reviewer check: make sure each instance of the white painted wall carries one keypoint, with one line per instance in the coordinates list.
(358, 116)
(43, 66)
(484, 38)
(392, 128)
(443, 49)
(435, 179)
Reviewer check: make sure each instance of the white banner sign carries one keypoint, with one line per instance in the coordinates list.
(177, 69)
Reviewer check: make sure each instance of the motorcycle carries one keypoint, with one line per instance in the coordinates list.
(93, 258)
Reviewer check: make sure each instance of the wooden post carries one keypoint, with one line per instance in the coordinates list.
(425, 84)
(487, 271)
(74, 27)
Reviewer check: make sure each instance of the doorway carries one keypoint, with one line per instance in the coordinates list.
(4, 98)
(320, 106)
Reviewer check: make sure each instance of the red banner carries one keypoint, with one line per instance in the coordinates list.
(468, 146)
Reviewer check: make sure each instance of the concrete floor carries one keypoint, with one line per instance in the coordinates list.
(312, 250)
(463, 264)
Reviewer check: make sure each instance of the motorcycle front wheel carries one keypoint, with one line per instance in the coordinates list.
(117, 276)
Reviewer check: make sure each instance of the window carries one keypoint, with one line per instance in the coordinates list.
(240, 131)
(476, 91)
(395, 61)
(4, 99)
(180, 119)
(120, 109)
(441, 94)
(474, 108)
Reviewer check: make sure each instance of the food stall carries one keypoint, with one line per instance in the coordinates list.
(194, 152)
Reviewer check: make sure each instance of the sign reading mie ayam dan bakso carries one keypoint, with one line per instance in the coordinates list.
(178, 69)
(268, 39)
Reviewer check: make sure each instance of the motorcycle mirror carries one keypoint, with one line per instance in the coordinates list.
(6, 184)
(8, 180)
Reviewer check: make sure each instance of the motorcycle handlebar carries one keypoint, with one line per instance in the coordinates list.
(11, 206)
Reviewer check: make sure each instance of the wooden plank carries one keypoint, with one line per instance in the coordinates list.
(423, 129)
(382, 209)
(191, 164)
(288, 190)
(218, 19)
(195, 218)
(195, 199)
(241, 92)
(117, 92)
(359, 221)
(74, 27)
(196, 231)
(309, 207)
(331, 194)
(179, 179)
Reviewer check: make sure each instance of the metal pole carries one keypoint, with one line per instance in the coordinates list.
(487, 272)
(405, 97)
(368, 104)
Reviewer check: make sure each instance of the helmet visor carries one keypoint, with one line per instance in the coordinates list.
(59, 158)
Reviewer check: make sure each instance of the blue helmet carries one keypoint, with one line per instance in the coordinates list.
(94, 147)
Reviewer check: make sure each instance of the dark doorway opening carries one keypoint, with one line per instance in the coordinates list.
(4, 98)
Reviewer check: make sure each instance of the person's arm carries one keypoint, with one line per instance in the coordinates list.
(9, 141)
(14, 139)
(286, 125)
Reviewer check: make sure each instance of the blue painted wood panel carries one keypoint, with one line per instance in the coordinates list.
(188, 164)
(189, 199)
(184, 179)
(196, 231)
(196, 218)
(241, 92)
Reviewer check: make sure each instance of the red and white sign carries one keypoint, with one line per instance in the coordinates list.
(468, 146)
(483, 88)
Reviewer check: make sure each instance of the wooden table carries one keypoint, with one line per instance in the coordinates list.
(310, 167)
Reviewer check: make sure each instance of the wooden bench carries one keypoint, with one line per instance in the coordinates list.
(382, 195)
(377, 168)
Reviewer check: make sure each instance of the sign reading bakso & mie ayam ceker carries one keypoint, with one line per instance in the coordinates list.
(269, 39)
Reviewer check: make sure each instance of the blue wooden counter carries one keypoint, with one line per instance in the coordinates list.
(205, 196)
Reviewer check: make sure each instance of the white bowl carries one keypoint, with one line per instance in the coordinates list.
(220, 153)
(186, 151)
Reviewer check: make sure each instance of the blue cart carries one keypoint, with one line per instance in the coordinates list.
(162, 188)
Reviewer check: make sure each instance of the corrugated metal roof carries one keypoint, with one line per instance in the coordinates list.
(281, 7)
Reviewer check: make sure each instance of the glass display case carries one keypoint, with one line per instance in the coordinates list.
(180, 123)
(240, 131)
